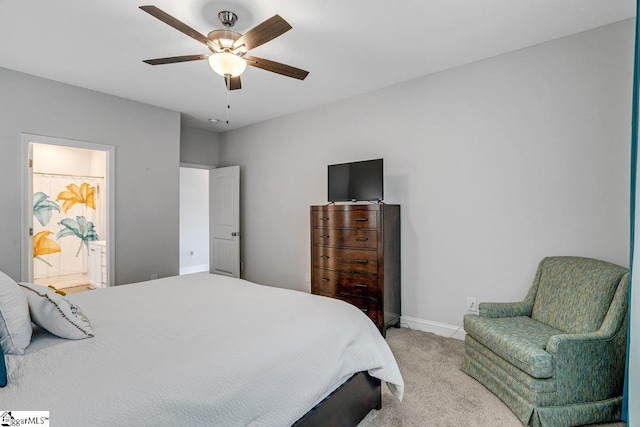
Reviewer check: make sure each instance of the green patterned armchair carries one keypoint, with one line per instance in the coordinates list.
(557, 358)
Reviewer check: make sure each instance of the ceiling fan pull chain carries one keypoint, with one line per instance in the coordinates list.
(228, 105)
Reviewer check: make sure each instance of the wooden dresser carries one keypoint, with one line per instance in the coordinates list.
(355, 257)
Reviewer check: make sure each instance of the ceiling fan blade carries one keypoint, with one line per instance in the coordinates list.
(174, 59)
(262, 33)
(276, 67)
(178, 25)
(232, 83)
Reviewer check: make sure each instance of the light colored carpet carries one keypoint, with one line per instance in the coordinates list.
(437, 393)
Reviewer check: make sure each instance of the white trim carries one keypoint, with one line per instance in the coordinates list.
(26, 221)
(195, 166)
(27, 199)
(194, 269)
(442, 329)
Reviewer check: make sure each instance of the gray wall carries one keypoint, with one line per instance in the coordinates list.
(147, 143)
(198, 146)
(496, 164)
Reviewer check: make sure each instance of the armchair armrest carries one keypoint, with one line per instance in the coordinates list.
(509, 309)
(504, 309)
(589, 367)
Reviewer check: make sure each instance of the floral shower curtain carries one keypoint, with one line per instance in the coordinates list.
(67, 215)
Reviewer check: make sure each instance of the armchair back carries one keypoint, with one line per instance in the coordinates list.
(574, 294)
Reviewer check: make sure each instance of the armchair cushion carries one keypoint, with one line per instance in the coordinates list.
(519, 340)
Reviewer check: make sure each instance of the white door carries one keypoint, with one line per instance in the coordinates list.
(224, 225)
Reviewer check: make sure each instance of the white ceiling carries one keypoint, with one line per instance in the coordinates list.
(349, 47)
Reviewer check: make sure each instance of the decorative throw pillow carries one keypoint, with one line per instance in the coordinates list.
(15, 323)
(55, 313)
(3, 371)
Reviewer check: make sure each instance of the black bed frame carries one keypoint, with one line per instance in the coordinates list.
(347, 405)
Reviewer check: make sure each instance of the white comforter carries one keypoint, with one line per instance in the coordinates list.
(197, 350)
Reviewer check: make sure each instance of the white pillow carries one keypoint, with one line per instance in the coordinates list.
(15, 323)
(55, 313)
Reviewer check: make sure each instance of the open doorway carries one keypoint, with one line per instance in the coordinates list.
(210, 220)
(68, 214)
(194, 220)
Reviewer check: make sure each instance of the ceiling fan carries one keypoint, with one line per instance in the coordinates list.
(228, 56)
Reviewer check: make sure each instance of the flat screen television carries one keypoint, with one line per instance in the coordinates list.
(356, 181)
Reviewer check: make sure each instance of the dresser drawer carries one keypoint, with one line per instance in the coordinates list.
(345, 218)
(354, 260)
(345, 283)
(354, 237)
(368, 306)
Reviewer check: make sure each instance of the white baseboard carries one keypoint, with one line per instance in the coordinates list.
(194, 269)
(449, 331)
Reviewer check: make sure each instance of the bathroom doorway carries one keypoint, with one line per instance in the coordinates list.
(68, 214)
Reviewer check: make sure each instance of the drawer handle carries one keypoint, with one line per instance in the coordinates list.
(364, 310)
(325, 236)
(361, 239)
(362, 219)
(362, 261)
(361, 285)
(324, 218)
(324, 279)
(324, 257)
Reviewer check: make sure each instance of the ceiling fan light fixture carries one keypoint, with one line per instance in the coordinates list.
(222, 40)
(227, 64)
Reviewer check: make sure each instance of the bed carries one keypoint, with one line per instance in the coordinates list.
(203, 349)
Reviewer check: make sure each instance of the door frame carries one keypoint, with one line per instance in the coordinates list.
(28, 139)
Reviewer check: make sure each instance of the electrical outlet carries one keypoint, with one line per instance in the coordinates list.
(154, 276)
(472, 305)
(307, 277)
